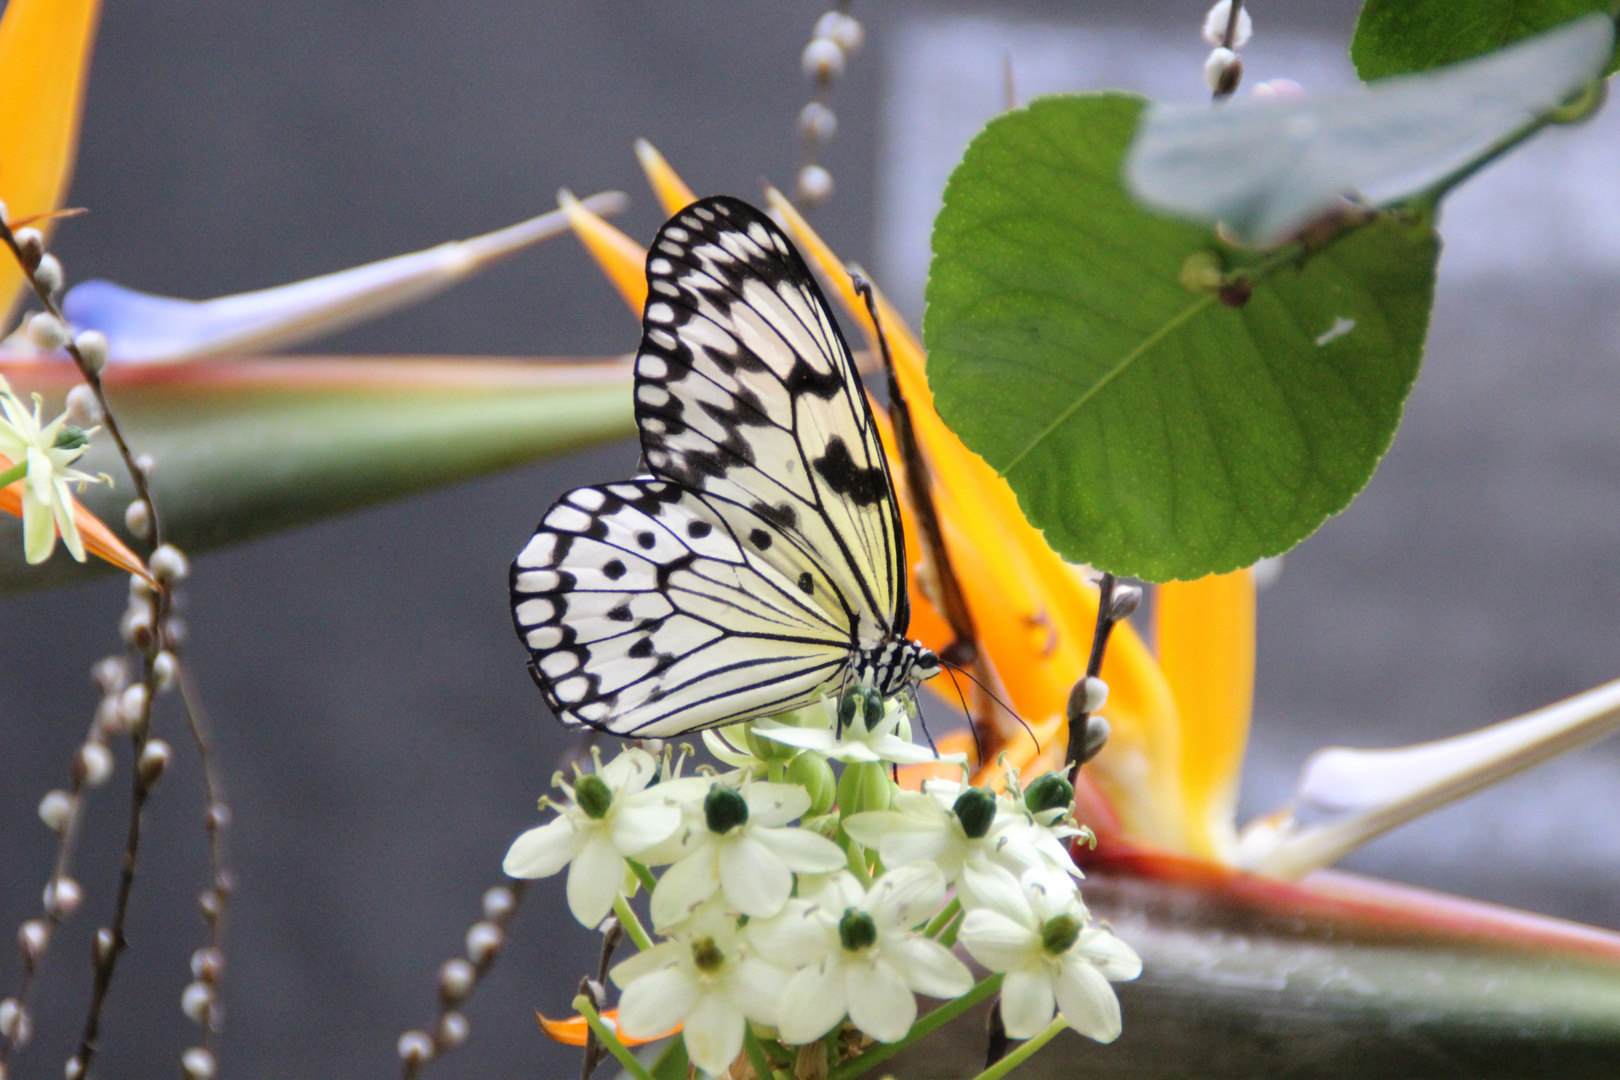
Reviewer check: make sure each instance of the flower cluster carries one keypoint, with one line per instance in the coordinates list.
(785, 900)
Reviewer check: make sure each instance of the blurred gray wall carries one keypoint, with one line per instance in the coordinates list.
(380, 740)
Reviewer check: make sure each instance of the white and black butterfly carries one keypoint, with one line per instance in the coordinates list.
(761, 564)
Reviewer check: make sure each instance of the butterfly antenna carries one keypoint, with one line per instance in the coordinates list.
(917, 708)
(978, 747)
(987, 693)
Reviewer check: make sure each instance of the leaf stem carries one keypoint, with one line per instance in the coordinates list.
(947, 1012)
(756, 1052)
(14, 474)
(643, 875)
(631, 924)
(943, 919)
(583, 1006)
(1022, 1054)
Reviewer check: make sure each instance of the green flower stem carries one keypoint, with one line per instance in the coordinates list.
(777, 771)
(947, 1012)
(946, 916)
(643, 875)
(756, 1053)
(631, 924)
(948, 937)
(1020, 1055)
(857, 864)
(13, 474)
(583, 1006)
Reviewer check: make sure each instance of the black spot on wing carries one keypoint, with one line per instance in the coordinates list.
(861, 486)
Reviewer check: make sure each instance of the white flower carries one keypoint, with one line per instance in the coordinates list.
(47, 506)
(860, 955)
(612, 814)
(887, 739)
(1038, 935)
(705, 980)
(974, 837)
(741, 849)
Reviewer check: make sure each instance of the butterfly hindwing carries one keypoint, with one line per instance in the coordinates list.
(648, 615)
(747, 392)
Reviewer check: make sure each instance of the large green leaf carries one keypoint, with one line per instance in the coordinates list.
(248, 447)
(1146, 428)
(1395, 37)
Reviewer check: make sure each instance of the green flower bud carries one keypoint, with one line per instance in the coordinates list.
(767, 749)
(1049, 792)
(724, 809)
(975, 808)
(707, 956)
(1059, 934)
(865, 785)
(856, 930)
(848, 706)
(593, 796)
(70, 438)
(816, 776)
(875, 708)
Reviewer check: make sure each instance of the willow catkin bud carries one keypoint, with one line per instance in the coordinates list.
(110, 673)
(817, 124)
(169, 564)
(207, 964)
(138, 519)
(163, 671)
(31, 243)
(83, 408)
(815, 184)
(843, 30)
(132, 706)
(46, 330)
(55, 809)
(456, 979)
(103, 947)
(1127, 598)
(15, 1023)
(154, 760)
(452, 1031)
(48, 276)
(483, 942)
(197, 1001)
(33, 937)
(415, 1047)
(1220, 17)
(1223, 71)
(498, 903)
(62, 897)
(93, 764)
(92, 346)
(822, 61)
(198, 1063)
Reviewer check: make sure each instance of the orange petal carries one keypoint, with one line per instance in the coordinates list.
(572, 1031)
(671, 190)
(1205, 631)
(98, 539)
(45, 50)
(1034, 612)
(622, 259)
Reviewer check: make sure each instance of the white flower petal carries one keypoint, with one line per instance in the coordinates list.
(880, 1003)
(812, 1003)
(1002, 895)
(928, 967)
(1116, 960)
(39, 527)
(1086, 1000)
(907, 896)
(894, 748)
(771, 805)
(62, 504)
(637, 828)
(595, 879)
(714, 1033)
(756, 882)
(684, 886)
(1027, 1001)
(997, 942)
(980, 878)
(631, 771)
(628, 971)
(805, 738)
(543, 851)
(656, 1002)
(756, 989)
(802, 850)
(802, 933)
(870, 827)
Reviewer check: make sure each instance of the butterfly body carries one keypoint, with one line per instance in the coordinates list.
(761, 564)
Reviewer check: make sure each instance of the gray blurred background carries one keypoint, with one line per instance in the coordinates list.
(380, 740)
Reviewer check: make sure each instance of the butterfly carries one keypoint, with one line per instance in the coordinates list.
(759, 563)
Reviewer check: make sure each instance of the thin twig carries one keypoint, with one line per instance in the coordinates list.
(1099, 646)
(215, 819)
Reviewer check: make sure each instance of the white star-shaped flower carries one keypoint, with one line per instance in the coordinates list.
(45, 452)
(611, 814)
(889, 739)
(860, 954)
(1038, 934)
(703, 979)
(742, 849)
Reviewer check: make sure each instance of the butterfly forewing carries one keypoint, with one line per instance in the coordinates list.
(746, 392)
(648, 616)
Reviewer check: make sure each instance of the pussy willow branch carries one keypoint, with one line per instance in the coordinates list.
(106, 955)
(215, 819)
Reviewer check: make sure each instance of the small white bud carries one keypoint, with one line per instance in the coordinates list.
(31, 242)
(815, 184)
(140, 589)
(841, 29)
(218, 817)
(83, 409)
(823, 61)
(15, 1024)
(136, 625)
(94, 764)
(132, 706)
(1222, 70)
(146, 463)
(1215, 25)
(163, 671)
(198, 1063)
(817, 123)
(48, 275)
(46, 330)
(498, 902)
(110, 673)
(415, 1047)
(169, 564)
(196, 1001)
(32, 938)
(207, 964)
(483, 942)
(103, 946)
(62, 897)
(453, 1030)
(109, 724)
(1096, 694)
(138, 520)
(55, 809)
(92, 345)
(1126, 599)
(154, 759)
(456, 978)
